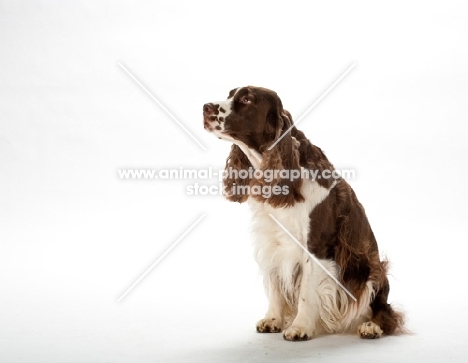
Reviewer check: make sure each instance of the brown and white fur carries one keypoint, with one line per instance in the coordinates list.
(324, 215)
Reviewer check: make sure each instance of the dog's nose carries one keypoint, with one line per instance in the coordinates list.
(208, 108)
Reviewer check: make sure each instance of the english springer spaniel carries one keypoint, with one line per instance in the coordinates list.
(337, 282)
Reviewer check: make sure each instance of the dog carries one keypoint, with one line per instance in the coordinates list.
(335, 283)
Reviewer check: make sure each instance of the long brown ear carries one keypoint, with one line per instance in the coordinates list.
(236, 182)
(280, 165)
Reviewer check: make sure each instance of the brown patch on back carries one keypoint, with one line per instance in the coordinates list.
(340, 231)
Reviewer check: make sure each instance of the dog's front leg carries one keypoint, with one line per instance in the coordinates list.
(304, 326)
(274, 319)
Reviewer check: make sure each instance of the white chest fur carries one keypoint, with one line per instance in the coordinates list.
(276, 253)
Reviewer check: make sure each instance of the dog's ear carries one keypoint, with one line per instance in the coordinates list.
(276, 118)
(281, 161)
(235, 181)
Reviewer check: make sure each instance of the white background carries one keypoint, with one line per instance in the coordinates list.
(74, 237)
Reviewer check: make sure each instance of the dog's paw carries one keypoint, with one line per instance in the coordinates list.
(297, 333)
(269, 325)
(369, 330)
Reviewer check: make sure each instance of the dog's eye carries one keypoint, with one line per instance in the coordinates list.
(245, 100)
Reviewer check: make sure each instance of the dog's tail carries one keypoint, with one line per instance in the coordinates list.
(390, 321)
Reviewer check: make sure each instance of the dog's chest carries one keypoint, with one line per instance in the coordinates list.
(275, 239)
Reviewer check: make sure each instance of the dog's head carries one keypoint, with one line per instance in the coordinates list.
(251, 115)
(253, 119)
